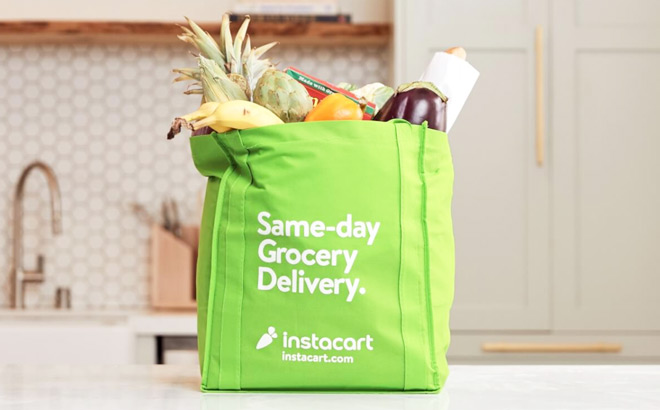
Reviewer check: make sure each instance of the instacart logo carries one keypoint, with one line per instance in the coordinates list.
(267, 338)
(315, 342)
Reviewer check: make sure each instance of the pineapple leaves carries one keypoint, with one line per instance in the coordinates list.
(238, 42)
(229, 47)
(228, 70)
(246, 50)
(202, 41)
(259, 51)
(224, 29)
(187, 74)
(218, 85)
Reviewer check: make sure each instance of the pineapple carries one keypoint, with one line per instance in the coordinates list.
(226, 65)
(216, 85)
(234, 71)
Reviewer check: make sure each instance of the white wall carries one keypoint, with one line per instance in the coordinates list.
(98, 115)
(161, 10)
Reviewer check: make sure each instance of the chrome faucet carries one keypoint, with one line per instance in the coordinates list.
(19, 275)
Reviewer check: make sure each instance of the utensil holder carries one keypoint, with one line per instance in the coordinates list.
(173, 261)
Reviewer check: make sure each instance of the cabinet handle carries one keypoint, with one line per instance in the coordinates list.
(540, 120)
(551, 347)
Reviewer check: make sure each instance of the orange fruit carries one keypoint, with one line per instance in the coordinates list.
(335, 107)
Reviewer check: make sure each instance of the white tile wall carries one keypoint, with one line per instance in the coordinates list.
(98, 115)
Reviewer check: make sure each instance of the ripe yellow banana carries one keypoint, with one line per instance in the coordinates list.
(240, 115)
(203, 111)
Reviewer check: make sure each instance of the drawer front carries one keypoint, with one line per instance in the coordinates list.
(553, 348)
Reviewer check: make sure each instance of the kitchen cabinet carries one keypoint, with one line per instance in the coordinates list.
(606, 76)
(97, 337)
(568, 246)
(57, 341)
(501, 198)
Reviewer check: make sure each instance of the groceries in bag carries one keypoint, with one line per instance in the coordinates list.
(454, 77)
(240, 89)
(335, 107)
(417, 103)
(320, 89)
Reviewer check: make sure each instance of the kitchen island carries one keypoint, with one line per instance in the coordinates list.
(469, 387)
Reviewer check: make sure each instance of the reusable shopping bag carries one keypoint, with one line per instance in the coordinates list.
(326, 259)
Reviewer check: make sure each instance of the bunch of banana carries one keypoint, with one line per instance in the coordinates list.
(225, 116)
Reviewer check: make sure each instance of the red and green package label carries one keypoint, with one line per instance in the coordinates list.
(326, 259)
(319, 89)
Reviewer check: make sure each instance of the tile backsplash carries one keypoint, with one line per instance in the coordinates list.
(98, 115)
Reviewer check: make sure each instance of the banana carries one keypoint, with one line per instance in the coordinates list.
(216, 127)
(203, 111)
(240, 115)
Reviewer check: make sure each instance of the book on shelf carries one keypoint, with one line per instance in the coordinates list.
(294, 18)
(287, 7)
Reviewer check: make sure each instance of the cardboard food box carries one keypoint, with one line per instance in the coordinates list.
(319, 89)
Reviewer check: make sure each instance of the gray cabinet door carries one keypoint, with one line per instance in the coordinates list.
(606, 174)
(501, 197)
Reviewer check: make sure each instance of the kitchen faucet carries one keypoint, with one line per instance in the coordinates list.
(19, 275)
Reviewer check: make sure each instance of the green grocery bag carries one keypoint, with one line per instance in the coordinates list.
(326, 258)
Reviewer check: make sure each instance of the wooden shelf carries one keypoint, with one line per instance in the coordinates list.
(260, 32)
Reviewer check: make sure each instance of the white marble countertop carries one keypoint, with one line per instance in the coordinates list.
(468, 387)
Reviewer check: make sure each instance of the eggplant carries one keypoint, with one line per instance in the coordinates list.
(202, 131)
(417, 102)
(178, 123)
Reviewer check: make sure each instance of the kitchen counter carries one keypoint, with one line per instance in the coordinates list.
(468, 387)
(141, 322)
(51, 337)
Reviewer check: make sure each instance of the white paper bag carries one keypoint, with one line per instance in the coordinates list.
(453, 76)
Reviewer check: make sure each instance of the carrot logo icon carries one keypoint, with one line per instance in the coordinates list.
(267, 338)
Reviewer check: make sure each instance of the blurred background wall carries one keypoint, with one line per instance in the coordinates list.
(98, 114)
(163, 10)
